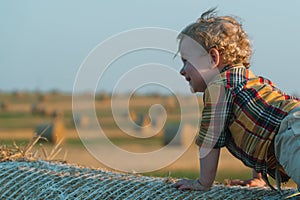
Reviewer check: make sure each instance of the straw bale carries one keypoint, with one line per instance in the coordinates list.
(177, 136)
(40, 109)
(81, 120)
(23, 176)
(143, 122)
(18, 94)
(139, 120)
(35, 108)
(103, 96)
(170, 133)
(133, 115)
(5, 105)
(57, 114)
(54, 180)
(53, 132)
(146, 121)
(45, 111)
(170, 104)
(188, 134)
(43, 98)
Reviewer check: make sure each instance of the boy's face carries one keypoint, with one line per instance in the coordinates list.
(198, 67)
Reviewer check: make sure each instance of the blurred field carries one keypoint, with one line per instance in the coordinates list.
(21, 112)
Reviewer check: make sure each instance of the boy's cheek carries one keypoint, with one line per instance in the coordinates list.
(202, 63)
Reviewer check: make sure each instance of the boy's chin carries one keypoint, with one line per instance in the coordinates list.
(192, 89)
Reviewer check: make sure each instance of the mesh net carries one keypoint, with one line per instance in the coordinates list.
(55, 180)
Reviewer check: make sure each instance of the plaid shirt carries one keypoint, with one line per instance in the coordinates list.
(243, 112)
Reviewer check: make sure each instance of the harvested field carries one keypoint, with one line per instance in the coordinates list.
(33, 178)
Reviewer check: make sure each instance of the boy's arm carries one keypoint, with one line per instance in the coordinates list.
(208, 170)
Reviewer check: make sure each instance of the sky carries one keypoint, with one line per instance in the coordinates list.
(43, 44)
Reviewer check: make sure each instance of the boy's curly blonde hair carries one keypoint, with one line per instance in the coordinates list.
(224, 33)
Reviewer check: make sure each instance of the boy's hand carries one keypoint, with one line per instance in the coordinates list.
(254, 182)
(186, 184)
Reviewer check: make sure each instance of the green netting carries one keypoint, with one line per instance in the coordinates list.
(54, 180)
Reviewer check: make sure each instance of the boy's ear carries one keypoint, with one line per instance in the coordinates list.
(215, 56)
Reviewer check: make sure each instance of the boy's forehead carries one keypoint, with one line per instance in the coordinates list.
(189, 47)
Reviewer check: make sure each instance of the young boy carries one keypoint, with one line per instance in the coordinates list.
(247, 114)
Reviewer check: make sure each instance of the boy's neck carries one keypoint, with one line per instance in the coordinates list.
(221, 66)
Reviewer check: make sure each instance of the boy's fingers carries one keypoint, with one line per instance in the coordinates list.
(184, 184)
(256, 183)
(185, 187)
(238, 182)
(190, 185)
(248, 183)
(179, 183)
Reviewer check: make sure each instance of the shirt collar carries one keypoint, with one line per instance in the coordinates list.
(225, 68)
(221, 76)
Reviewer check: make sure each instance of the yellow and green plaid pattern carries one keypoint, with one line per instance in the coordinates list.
(243, 112)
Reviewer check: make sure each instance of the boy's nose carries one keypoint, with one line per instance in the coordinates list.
(182, 72)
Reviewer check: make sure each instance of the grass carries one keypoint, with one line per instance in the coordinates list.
(13, 123)
(11, 98)
(143, 142)
(20, 120)
(119, 141)
(221, 177)
(13, 115)
(9, 142)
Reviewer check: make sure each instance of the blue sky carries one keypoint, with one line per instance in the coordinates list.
(43, 43)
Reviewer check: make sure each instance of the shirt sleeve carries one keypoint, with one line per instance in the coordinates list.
(215, 117)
